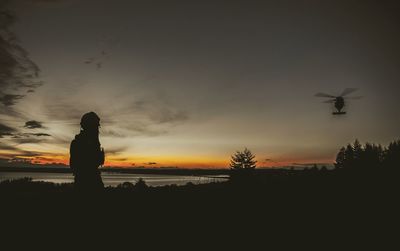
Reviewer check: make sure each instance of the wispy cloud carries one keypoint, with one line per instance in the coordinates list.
(311, 164)
(33, 124)
(17, 152)
(16, 136)
(116, 150)
(150, 163)
(40, 134)
(151, 116)
(10, 99)
(4, 146)
(6, 130)
(28, 140)
(17, 70)
(21, 135)
(166, 115)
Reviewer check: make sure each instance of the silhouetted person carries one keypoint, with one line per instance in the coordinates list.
(87, 155)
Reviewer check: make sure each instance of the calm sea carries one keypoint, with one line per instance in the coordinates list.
(113, 179)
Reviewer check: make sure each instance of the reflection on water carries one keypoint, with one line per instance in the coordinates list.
(113, 179)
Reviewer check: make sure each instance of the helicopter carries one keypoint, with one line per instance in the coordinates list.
(339, 101)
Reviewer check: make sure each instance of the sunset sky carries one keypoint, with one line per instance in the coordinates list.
(187, 83)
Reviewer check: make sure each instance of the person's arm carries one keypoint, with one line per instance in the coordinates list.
(99, 157)
(73, 155)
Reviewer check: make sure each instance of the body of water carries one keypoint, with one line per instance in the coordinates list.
(113, 179)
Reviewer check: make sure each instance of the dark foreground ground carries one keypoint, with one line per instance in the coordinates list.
(335, 206)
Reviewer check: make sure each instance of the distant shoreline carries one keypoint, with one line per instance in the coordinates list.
(164, 171)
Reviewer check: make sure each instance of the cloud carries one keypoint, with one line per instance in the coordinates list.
(10, 99)
(311, 164)
(20, 153)
(28, 140)
(6, 130)
(115, 151)
(15, 162)
(19, 137)
(120, 159)
(18, 161)
(269, 160)
(112, 133)
(9, 131)
(17, 70)
(145, 129)
(22, 135)
(4, 146)
(150, 163)
(144, 118)
(40, 134)
(158, 109)
(169, 116)
(147, 116)
(33, 124)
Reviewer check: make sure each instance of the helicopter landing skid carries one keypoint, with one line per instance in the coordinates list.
(338, 113)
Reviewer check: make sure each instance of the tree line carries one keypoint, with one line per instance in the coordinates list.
(368, 156)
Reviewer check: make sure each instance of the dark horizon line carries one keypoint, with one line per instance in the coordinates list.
(148, 170)
(60, 166)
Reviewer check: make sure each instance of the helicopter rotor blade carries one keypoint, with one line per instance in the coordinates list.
(357, 97)
(324, 95)
(347, 91)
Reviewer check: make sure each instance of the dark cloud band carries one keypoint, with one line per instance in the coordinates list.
(33, 124)
(17, 70)
(6, 130)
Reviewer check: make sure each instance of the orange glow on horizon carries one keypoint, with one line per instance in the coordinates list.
(167, 161)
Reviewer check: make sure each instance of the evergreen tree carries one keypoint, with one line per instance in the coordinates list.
(372, 155)
(391, 157)
(358, 153)
(348, 156)
(340, 158)
(243, 160)
(369, 156)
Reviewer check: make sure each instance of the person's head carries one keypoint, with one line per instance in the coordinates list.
(90, 123)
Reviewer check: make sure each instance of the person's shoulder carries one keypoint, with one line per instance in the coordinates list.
(75, 140)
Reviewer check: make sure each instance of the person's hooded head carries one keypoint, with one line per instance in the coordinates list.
(90, 123)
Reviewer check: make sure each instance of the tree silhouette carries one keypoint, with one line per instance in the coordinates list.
(340, 158)
(372, 156)
(358, 153)
(391, 155)
(349, 156)
(141, 184)
(243, 160)
(369, 156)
